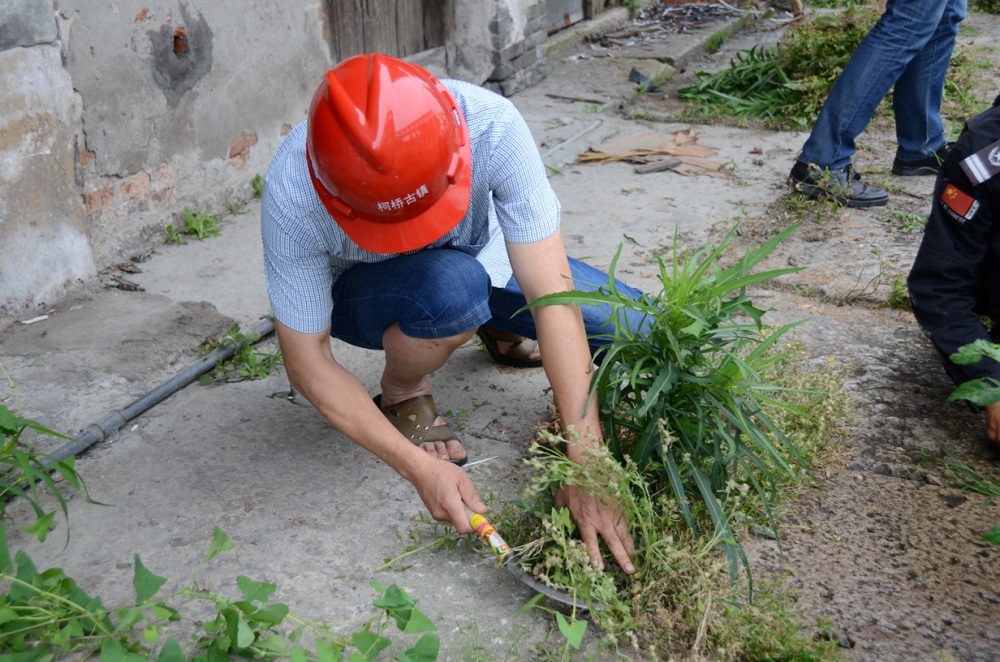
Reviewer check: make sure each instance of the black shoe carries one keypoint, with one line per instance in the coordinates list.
(843, 185)
(926, 166)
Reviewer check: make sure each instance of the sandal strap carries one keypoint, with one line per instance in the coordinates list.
(422, 429)
(521, 347)
(500, 334)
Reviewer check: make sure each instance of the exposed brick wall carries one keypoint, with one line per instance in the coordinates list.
(522, 63)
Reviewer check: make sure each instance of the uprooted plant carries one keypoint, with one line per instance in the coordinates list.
(681, 596)
(46, 615)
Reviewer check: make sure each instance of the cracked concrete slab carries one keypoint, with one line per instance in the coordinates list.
(313, 513)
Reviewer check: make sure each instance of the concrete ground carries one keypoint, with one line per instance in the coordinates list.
(892, 559)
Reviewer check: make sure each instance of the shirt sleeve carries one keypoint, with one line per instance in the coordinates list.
(296, 268)
(527, 207)
(949, 262)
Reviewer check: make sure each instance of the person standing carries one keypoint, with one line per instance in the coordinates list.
(908, 50)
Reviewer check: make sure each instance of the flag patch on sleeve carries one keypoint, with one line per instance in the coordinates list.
(959, 205)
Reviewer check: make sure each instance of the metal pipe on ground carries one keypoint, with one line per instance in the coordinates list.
(115, 420)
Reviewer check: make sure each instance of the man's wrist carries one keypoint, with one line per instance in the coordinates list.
(579, 446)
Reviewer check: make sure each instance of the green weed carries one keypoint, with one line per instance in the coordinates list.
(969, 480)
(986, 6)
(22, 469)
(258, 186)
(681, 583)
(872, 285)
(980, 392)
(174, 237)
(683, 397)
(246, 363)
(785, 85)
(232, 209)
(46, 615)
(201, 224)
(593, 108)
(899, 295)
(966, 90)
(641, 113)
(426, 534)
(462, 413)
(902, 221)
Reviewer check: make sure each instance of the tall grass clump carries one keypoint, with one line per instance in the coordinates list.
(682, 396)
(711, 417)
(785, 85)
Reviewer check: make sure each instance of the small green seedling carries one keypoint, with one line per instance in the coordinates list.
(174, 237)
(258, 186)
(201, 224)
(246, 363)
(231, 208)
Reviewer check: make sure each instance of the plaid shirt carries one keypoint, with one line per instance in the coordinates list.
(305, 251)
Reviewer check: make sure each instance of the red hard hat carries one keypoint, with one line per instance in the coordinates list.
(388, 152)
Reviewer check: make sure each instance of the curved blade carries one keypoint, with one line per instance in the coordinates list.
(513, 565)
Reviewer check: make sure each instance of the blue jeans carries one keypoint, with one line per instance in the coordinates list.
(439, 292)
(910, 47)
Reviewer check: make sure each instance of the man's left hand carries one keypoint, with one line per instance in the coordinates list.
(993, 422)
(593, 516)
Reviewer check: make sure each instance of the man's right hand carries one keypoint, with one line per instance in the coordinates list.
(446, 490)
(993, 422)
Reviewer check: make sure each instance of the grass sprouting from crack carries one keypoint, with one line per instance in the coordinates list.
(903, 222)
(960, 473)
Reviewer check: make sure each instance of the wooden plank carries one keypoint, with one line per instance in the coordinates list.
(380, 26)
(409, 27)
(437, 20)
(658, 166)
(347, 24)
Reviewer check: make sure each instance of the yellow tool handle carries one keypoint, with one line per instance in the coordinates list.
(485, 530)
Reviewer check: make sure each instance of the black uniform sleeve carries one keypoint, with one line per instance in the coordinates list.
(959, 246)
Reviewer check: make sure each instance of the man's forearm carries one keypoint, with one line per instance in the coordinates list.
(344, 402)
(562, 340)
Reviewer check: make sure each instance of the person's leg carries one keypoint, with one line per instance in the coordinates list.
(918, 92)
(899, 35)
(417, 308)
(597, 319)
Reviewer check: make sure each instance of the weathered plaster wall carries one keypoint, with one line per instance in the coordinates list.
(470, 47)
(44, 246)
(116, 115)
(183, 103)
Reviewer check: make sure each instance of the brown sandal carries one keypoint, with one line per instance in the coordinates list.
(519, 353)
(422, 429)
